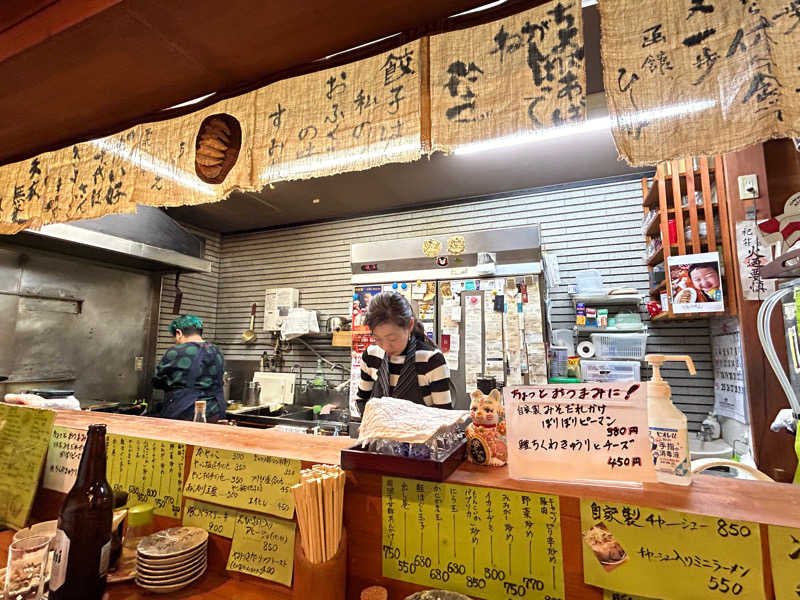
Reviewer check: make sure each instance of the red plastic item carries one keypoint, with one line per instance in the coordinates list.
(672, 229)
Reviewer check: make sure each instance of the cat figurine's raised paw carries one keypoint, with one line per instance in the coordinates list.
(486, 435)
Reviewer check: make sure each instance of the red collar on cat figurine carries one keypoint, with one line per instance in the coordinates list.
(486, 435)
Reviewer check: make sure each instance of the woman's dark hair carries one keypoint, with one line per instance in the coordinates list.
(393, 307)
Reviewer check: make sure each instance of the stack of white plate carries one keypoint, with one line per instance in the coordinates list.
(171, 559)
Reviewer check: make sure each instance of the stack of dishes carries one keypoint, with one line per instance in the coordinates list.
(171, 559)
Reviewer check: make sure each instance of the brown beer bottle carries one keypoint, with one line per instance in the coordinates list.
(83, 540)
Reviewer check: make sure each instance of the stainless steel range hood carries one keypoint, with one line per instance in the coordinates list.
(148, 240)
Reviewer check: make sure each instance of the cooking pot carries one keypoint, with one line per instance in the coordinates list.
(338, 324)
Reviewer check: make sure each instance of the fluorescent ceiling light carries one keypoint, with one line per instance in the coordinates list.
(154, 165)
(359, 46)
(340, 158)
(596, 124)
(535, 136)
(478, 9)
(189, 102)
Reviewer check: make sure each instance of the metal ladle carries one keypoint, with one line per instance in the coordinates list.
(250, 335)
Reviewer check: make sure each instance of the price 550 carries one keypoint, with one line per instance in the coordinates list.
(724, 586)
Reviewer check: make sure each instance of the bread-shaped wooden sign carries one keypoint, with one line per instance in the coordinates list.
(217, 147)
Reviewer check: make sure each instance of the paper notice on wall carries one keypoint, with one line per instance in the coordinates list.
(506, 540)
(753, 255)
(451, 358)
(243, 480)
(264, 547)
(670, 554)
(730, 387)
(455, 314)
(456, 286)
(63, 457)
(473, 340)
(418, 291)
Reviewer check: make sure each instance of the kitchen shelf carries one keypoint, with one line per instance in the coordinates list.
(654, 229)
(651, 198)
(606, 299)
(585, 329)
(666, 316)
(656, 291)
(657, 258)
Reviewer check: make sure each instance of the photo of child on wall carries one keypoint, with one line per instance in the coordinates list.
(696, 283)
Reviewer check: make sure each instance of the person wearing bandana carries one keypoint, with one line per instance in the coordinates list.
(190, 370)
(403, 363)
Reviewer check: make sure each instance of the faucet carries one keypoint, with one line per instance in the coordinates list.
(299, 372)
(706, 432)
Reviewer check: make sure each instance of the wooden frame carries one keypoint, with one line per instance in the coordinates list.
(665, 194)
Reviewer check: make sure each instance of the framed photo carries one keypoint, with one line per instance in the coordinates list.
(696, 283)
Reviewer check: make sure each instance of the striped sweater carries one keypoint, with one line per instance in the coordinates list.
(432, 374)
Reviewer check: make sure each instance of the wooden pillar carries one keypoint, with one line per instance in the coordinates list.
(774, 452)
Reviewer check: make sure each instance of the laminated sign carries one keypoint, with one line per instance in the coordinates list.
(589, 431)
(694, 77)
(512, 76)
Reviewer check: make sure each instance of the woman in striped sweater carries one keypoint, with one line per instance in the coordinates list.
(403, 363)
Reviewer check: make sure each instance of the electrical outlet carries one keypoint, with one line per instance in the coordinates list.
(138, 363)
(748, 187)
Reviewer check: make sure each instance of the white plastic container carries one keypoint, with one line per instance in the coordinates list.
(589, 281)
(630, 346)
(669, 434)
(609, 370)
(564, 339)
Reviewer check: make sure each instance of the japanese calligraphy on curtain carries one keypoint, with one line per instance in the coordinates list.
(700, 76)
(347, 118)
(515, 75)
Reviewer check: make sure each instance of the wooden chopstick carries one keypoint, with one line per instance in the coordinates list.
(319, 499)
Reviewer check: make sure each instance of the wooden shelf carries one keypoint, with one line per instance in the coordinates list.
(658, 257)
(669, 316)
(651, 199)
(656, 291)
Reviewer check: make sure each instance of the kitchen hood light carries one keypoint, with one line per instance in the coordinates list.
(189, 102)
(597, 124)
(315, 201)
(154, 165)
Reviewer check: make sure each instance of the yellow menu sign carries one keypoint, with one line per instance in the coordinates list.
(243, 480)
(24, 436)
(609, 595)
(264, 547)
(483, 542)
(212, 518)
(151, 471)
(668, 554)
(784, 554)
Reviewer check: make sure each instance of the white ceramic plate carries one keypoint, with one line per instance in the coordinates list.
(164, 589)
(172, 560)
(172, 542)
(190, 566)
(173, 577)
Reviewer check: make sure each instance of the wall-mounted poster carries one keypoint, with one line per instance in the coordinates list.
(696, 283)
(361, 299)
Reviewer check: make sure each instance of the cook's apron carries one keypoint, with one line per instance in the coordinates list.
(179, 404)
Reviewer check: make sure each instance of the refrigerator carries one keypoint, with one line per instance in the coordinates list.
(479, 295)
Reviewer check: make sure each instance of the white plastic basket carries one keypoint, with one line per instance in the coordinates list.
(605, 370)
(630, 346)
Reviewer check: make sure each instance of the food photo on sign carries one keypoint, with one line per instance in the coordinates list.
(696, 283)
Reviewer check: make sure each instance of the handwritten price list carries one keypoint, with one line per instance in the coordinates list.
(214, 519)
(63, 457)
(151, 471)
(24, 435)
(243, 480)
(482, 542)
(784, 550)
(263, 547)
(669, 554)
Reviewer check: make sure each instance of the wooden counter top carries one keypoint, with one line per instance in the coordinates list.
(772, 503)
(310, 448)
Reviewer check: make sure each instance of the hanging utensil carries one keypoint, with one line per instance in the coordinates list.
(250, 335)
(176, 304)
